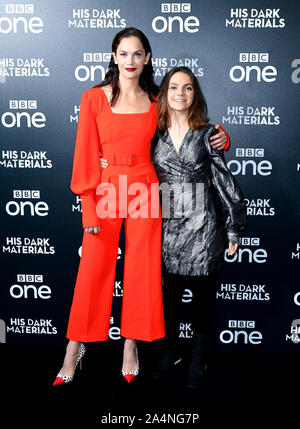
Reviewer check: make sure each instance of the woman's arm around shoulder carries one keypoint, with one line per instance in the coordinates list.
(220, 140)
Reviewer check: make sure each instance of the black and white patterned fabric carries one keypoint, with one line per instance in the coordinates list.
(202, 204)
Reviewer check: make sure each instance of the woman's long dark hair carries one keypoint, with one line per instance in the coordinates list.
(197, 115)
(146, 81)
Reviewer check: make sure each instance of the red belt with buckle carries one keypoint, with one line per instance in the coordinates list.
(126, 158)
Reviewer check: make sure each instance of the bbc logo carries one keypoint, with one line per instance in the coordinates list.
(249, 241)
(19, 8)
(19, 193)
(254, 57)
(96, 57)
(29, 278)
(22, 104)
(241, 324)
(175, 7)
(250, 152)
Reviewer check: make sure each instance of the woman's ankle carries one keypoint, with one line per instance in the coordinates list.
(129, 344)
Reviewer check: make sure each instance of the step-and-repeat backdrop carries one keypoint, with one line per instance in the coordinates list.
(247, 60)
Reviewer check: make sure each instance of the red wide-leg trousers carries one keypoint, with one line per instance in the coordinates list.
(142, 305)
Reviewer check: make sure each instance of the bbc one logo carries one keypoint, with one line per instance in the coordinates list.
(27, 118)
(250, 165)
(258, 70)
(22, 204)
(170, 21)
(241, 331)
(29, 286)
(18, 23)
(246, 253)
(87, 70)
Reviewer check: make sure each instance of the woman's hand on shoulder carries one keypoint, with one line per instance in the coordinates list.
(219, 140)
(103, 163)
(107, 89)
(232, 248)
(93, 229)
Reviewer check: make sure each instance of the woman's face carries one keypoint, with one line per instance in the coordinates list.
(180, 94)
(130, 57)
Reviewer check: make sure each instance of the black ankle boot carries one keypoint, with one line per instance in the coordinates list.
(169, 358)
(197, 369)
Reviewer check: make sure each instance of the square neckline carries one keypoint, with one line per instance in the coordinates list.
(118, 113)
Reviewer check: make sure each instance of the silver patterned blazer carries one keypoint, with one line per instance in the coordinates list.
(202, 204)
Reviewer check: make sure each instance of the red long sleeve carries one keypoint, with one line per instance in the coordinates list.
(86, 162)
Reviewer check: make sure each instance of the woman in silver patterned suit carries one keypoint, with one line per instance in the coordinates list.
(202, 208)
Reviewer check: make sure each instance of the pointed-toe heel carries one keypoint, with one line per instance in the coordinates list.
(130, 375)
(63, 379)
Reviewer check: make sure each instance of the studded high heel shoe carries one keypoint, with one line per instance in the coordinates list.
(63, 379)
(130, 375)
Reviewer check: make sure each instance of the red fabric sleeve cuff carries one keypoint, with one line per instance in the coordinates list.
(88, 207)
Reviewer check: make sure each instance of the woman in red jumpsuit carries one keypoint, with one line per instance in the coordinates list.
(117, 121)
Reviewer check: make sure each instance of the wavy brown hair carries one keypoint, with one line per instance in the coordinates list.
(146, 80)
(197, 114)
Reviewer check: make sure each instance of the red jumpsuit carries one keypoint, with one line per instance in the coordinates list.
(125, 140)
